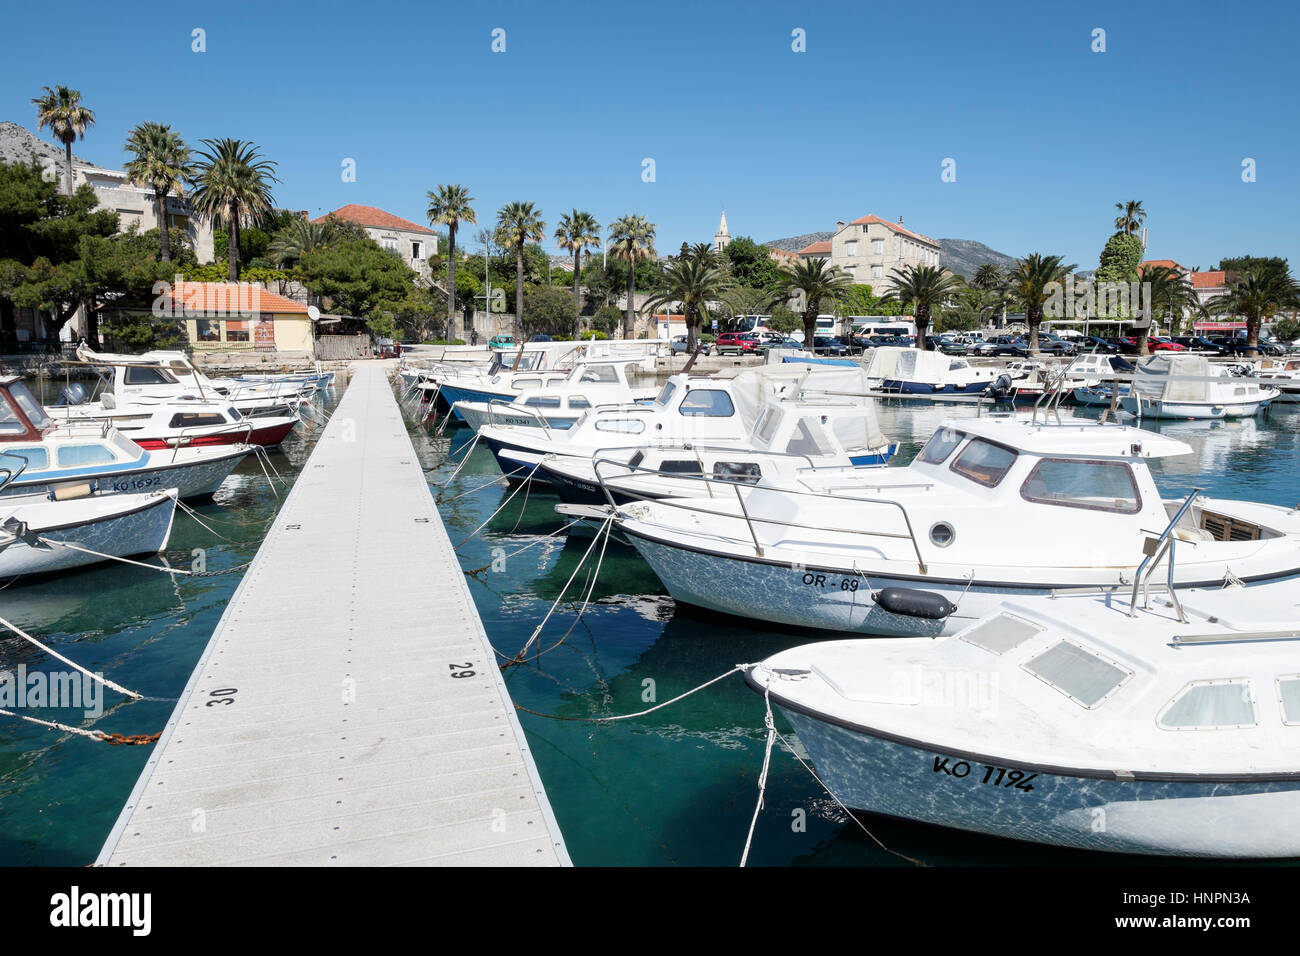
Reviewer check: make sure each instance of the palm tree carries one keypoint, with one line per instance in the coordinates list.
(233, 189)
(60, 109)
(161, 160)
(449, 206)
(517, 224)
(299, 237)
(695, 282)
(576, 231)
(813, 281)
(1173, 293)
(631, 240)
(987, 276)
(1030, 285)
(1255, 293)
(926, 289)
(1131, 216)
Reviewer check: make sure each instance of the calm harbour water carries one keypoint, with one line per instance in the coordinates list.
(677, 787)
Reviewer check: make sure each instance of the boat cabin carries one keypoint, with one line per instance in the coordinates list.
(22, 417)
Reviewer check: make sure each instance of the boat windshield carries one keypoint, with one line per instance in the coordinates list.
(984, 462)
(30, 407)
(1073, 483)
(665, 394)
(940, 446)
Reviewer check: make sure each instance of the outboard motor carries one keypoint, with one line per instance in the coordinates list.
(911, 602)
(1001, 387)
(74, 393)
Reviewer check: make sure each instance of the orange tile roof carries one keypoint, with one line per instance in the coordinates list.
(376, 218)
(866, 220)
(220, 298)
(1208, 280)
(816, 248)
(1167, 263)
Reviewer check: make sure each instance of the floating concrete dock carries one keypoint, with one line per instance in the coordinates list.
(348, 710)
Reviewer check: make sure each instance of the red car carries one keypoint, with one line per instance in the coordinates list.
(1156, 343)
(738, 342)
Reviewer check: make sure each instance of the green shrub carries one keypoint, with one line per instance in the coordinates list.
(593, 334)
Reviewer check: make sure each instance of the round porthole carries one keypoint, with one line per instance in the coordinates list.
(941, 534)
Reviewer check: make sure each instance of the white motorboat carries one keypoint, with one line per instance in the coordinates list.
(61, 457)
(992, 507)
(40, 536)
(688, 409)
(1179, 385)
(917, 372)
(168, 375)
(542, 400)
(1284, 375)
(789, 440)
(1070, 722)
(179, 422)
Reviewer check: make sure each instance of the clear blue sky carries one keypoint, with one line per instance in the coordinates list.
(1046, 134)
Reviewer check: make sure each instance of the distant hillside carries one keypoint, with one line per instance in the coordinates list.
(795, 243)
(20, 145)
(962, 256)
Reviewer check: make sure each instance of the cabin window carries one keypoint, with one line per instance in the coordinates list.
(36, 458)
(544, 401)
(680, 466)
(627, 426)
(984, 462)
(807, 439)
(10, 423)
(31, 407)
(1288, 689)
(1001, 633)
(707, 403)
(636, 459)
(1084, 677)
(527, 383)
(192, 419)
(1210, 705)
(1073, 483)
(767, 422)
(665, 394)
(940, 446)
(579, 401)
(601, 374)
(146, 375)
(743, 471)
(70, 455)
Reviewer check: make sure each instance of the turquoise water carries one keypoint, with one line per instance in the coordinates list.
(679, 786)
(675, 787)
(60, 793)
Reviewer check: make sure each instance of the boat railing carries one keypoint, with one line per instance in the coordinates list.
(739, 487)
(184, 437)
(518, 410)
(1154, 550)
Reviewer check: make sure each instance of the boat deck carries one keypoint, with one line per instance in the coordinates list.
(348, 709)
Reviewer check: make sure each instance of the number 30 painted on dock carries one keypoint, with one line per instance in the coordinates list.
(222, 695)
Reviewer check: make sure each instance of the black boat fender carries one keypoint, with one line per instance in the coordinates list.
(911, 602)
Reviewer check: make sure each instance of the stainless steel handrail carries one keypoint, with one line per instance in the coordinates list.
(683, 504)
(1158, 548)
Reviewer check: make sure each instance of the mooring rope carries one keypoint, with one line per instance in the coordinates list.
(73, 664)
(500, 508)
(532, 544)
(586, 601)
(464, 458)
(166, 569)
(640, 713)
(770, 724)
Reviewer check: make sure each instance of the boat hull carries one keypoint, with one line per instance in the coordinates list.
(925, 388)
(1184, 816)
(264, 435)
(193, 479)
(141, 530)
(1154, 408)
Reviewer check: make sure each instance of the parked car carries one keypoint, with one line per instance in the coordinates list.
(736, 343)
(387, 348)
(1232, 345)
(501, 342)
(1054, 345)
(1095, 343)
(946, 344)
(679, 346)
(1012, 345)
(825, 345)
(1158, 343)
(849, 343)
(541, 337)
(1127, 344)
(1200, 343)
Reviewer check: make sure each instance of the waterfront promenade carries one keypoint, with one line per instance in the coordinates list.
(348, 709)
